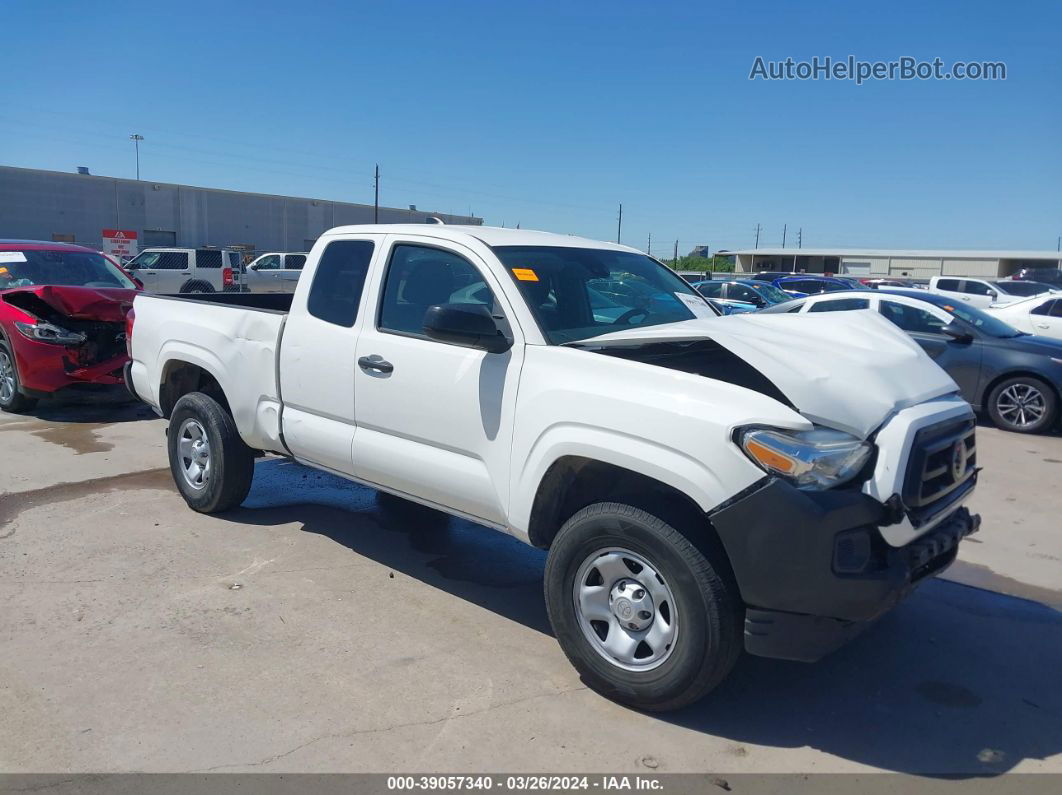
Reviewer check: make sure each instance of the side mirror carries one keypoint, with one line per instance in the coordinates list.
(993, 294)
(466, 324)
(957, 333)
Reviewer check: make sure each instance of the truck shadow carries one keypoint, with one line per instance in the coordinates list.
(957, 681)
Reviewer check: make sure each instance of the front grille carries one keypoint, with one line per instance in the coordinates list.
(942, 466)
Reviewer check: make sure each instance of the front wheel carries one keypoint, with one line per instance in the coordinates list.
(1023, 404)
(641, 613)
(210, 463)
(10, 398)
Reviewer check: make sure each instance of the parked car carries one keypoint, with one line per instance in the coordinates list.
(170, 271)
(805, 284)
(1052, 276)
(874, 282)
(771, 276)
(1040, 315)
(275, 272)
(985, 292)
(749, 293)
(62, 320)
(1013, 377)
(703, 484)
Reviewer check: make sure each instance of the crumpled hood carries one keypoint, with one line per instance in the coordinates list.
(845, 370)
(83, 303)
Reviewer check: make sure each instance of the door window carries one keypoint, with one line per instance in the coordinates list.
(1049, 308)
(162, 260)
(948, 284)
(740, 292)
(419, 277)
(975, 288)
(339, 280)
(912, 319)
(840, 305)
(294, 262)
(268, 263)
(710, 289)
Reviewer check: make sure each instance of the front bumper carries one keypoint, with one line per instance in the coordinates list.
(44, 369)
(814, 569)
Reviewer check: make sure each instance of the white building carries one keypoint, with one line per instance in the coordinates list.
(918, 264)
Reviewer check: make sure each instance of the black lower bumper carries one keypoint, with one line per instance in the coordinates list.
(814, 570)
(127, 377)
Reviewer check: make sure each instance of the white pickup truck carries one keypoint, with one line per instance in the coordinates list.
(703, 484)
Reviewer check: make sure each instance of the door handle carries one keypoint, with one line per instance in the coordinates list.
(186, 273)
(1043, 325)
(374, 362)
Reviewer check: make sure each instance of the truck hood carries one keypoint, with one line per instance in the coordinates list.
(81, 303)
(844, 370)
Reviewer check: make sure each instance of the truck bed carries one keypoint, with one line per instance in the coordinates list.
(233, 337)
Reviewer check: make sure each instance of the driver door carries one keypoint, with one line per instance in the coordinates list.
(435, 419)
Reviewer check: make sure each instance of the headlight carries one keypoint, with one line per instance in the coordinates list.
(46, 332)
(812, 460)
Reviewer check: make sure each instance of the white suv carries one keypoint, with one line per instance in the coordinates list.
(187, 270)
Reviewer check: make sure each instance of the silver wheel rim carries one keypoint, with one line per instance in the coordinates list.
(1021, 405)
(625, 609)
(7, 377)
(193, 454)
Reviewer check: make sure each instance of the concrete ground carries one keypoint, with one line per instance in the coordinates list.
(315, 629)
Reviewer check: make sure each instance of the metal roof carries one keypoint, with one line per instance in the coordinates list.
(898, 253)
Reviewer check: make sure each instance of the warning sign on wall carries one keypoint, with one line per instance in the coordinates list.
(119, 243)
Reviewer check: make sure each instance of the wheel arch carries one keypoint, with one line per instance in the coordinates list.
(181, 377)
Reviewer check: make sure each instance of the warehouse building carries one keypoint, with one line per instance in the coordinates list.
(78, 207)
(916, 264)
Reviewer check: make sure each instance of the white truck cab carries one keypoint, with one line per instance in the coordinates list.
(984, 292)
(704, 485)
(274, 272)
(170, 271)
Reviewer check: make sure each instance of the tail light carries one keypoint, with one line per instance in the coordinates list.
(130, 316)
(226, 277)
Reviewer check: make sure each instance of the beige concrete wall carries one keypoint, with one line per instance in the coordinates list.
(985, 268)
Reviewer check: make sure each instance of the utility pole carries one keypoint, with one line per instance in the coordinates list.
(649, 249)
(676, 252)
(800, 237)
(136, 138)
(619, 224)
(784, 227)
(758, 228)
(376, 199)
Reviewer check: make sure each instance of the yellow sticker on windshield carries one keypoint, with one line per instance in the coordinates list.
(3, 269)
(525, 274)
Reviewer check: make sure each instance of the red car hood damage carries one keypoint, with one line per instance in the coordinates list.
(104, 305)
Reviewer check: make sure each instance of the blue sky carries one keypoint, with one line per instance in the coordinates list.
(551, 114)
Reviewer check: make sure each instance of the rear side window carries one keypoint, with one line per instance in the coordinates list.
(840, 305)
(210, 258)
(710, 289)
(294, 262)
(948, 284)
(339, 280)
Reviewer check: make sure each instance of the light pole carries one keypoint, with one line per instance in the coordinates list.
(136, 138)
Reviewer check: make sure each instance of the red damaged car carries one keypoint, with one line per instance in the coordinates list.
(62, 320)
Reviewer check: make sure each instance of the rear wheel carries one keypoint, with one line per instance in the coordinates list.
(641, 613)
(1023, 404)
(211, 465)
(10, 398)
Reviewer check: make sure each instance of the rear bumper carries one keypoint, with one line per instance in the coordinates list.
(814, 569)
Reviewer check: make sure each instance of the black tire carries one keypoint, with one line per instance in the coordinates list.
(231, 462)
(708, 611)
(1002, 398)
(16, 402)
(197, 288)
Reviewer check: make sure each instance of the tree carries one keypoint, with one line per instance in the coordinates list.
(714, 264)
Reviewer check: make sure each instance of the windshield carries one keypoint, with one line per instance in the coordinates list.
(60, 268)
(1024, 289)
(770, 292)
(577, 293)
(982, 321)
